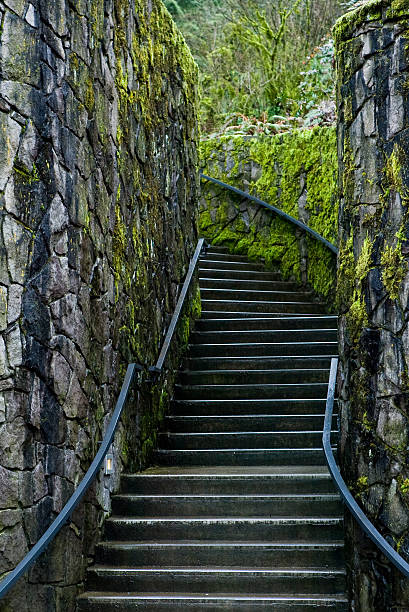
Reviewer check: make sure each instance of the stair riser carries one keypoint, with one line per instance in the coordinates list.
(179, 582)
(175, 531)
(242, 266)
(207, 281)
(237, 407)
(295, 323)
(222, 506)
(252, 377)
(260, 363)
(237, 274)
(197, 424)
(225, 314)
(112, 605)
(236, 337)
(312, 390)
(234, 556)
(238, 305)
(242, 440)
(229, 485)
(302, 349)
(288, 456)
(214, 255)
(254, 295)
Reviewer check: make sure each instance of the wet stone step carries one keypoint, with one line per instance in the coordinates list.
(229, 482)
(213, 580)
(168, 602)
(211, 263)
(255, 295)
(231, 505)
(234, 528)
(233, 554)
(264, 349)
(260, 335)
(266, 323)
(238, 274)
(241, 457)
(252, 423)
(236, 377)
(207, 282)
(260, 439)
(247, 406)
(268, 391)
(264, 306)
(258, 363)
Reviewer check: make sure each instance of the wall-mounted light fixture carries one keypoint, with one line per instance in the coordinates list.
(109, 464)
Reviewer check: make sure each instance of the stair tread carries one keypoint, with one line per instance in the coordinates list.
(213, 597)
(299, 545)
(220, 569)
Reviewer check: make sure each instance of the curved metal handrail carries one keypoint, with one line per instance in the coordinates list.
(346, 495)
(277, 211)
(66, 512)
(78, 494)
(157, 368)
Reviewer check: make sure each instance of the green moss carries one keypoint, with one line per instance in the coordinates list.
(348, 23)
(284, 161)
(357, 316)
(394, 268)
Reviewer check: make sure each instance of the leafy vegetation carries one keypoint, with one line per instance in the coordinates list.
(265, 66)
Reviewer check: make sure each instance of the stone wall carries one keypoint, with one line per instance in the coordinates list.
(373, 289)
(98, 191)
(295, 172)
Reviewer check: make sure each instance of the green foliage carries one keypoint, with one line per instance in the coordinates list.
(260, 59)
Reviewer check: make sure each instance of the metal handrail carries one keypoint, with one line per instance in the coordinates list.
(157, 368)
(346, 495)
(65, 514)
(277, 211)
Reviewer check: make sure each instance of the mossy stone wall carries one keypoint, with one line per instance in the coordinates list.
(373, 286)
(296, 172)
(98, 202)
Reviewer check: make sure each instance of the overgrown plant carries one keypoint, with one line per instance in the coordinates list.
(256, 55)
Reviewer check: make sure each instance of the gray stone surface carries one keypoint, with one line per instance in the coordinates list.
(373, 285)
(98, 203)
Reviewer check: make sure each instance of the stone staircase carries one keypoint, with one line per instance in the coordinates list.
(240, 513)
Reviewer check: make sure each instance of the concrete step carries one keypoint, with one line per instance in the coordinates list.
(233, 481)
(165, 602)
(245, 439)
(263, 336)
(235, 304)
(296, 505)
(255, 295)
(284, 362)
(212, 263)
(215, 579)
(207, 281)
(273, 406)
(226, 528)
(241, 457)
(252, 377)
(266, 323)
(250, 422)
(222, 553)
(212, 255)
(239, 274)
(316, 390)
(263, 349)
(226, 314)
